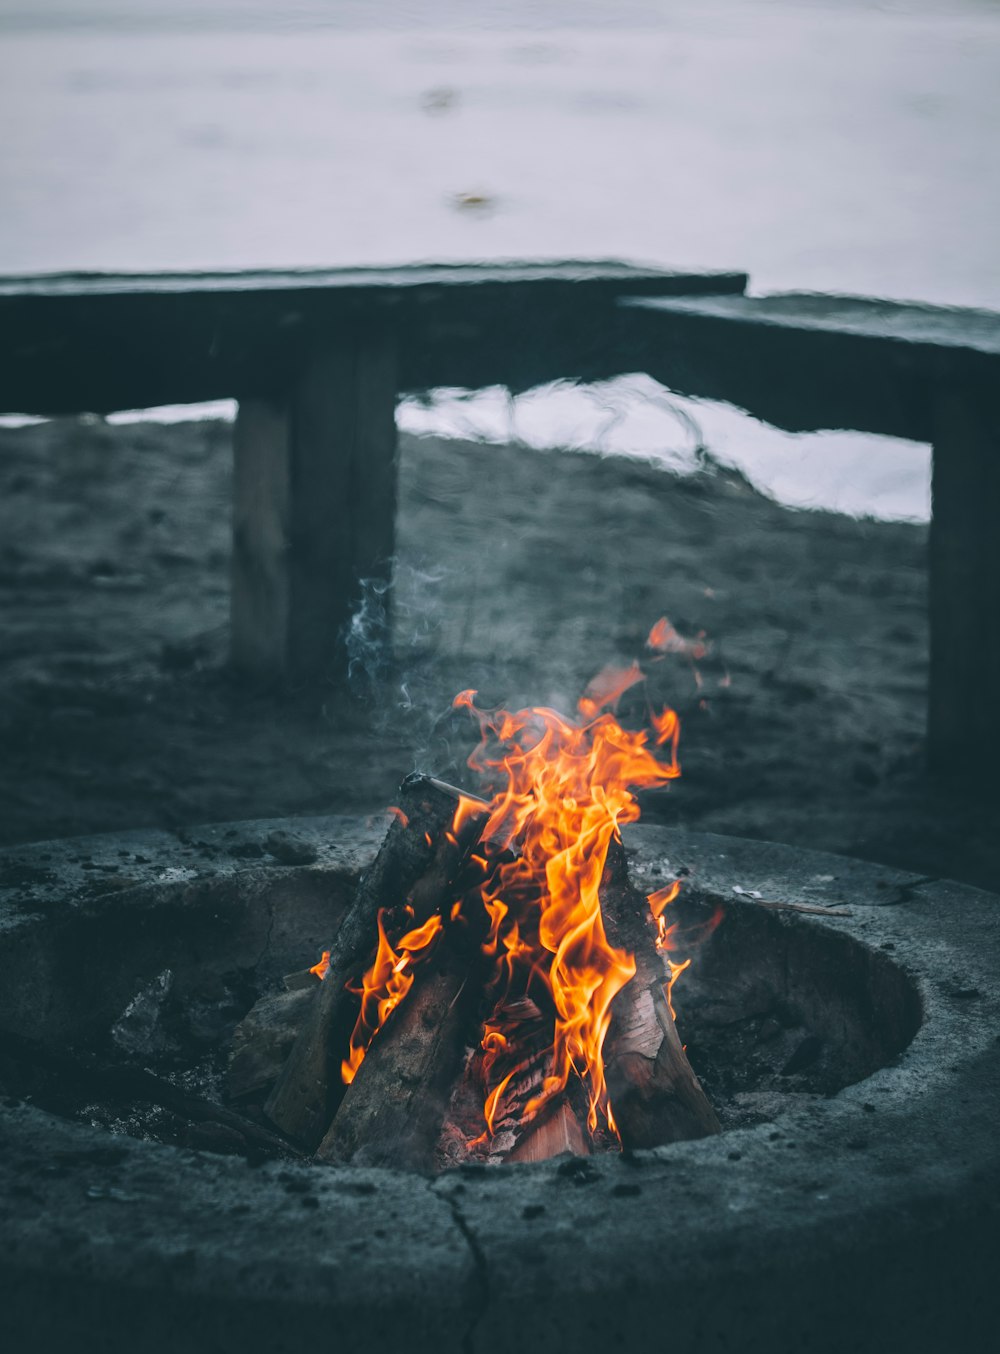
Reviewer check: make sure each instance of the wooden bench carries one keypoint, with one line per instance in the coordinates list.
(318, 360)
(929, 373)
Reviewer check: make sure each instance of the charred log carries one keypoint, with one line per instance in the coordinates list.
(655, 1096)
(394, 1108)
(414, 870)
(85, 1076)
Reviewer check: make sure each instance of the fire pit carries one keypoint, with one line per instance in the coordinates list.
(843, 1019)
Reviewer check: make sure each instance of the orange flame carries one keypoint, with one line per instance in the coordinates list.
(323, 967)
(385, 985)
(563, 789)
(565, 792)
(664, 639)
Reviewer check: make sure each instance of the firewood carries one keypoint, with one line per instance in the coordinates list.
(264, 1037)
(84, 1074)
(415, 868)
(394, 1108)
(302, 978)
(655, 1096)
(555, 1131)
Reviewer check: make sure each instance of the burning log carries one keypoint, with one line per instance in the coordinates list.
(394, 1108)
(435, 828)
(654, 1092)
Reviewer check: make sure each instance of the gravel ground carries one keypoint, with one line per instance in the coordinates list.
(520, 573)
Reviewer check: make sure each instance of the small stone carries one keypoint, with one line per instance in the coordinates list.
(246, 850)
(140, 1029)
(290, 849)
(578, 1169)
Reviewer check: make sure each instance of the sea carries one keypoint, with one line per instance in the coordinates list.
(820, 145)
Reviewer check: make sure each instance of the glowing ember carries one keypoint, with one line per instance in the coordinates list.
(323, 967)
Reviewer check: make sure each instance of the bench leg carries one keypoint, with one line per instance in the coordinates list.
(314, 509)
(964, 709)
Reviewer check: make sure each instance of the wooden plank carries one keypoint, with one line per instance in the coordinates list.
(963, 725)
(804, 362)
(625, 275)
(343, 500)
(259, 595)
(315, 506)
(106, 342)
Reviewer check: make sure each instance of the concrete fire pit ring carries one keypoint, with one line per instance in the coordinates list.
(865, 1221)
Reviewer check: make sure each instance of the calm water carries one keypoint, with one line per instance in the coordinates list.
(847, 147)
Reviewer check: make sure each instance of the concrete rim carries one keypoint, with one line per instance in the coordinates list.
(866, 1218)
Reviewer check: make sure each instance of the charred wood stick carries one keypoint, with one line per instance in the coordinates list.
(655, 1096)
(394, 1108)
(264, 1038)
(416, 865)
(90, 1076)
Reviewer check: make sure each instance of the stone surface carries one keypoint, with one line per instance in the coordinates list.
(865, 1222)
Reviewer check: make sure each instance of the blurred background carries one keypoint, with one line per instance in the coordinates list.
(835, 145)
(838, 145)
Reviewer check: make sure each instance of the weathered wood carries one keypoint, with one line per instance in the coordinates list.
(315, 506)
(395, 1106)
(415, 865)
(264, 1038)
(655, 1096)
(101, 342)
(554, 1132)
(964, 714)
(259, 574)
(804, 361)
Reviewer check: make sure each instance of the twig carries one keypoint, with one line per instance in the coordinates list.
(85, 1072)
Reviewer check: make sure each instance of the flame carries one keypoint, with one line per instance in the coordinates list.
(562, 788)
(385, 985)
(664, 639)
(323, 967)
(565, 790)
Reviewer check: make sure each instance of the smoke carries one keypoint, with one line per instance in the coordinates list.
(368, 637)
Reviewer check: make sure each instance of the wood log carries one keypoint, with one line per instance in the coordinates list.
(554, 1129)
(82, 1074)
(415, 867)
(554, 1132)
(655, 1096)
(264, 1037)
(394, 1108)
